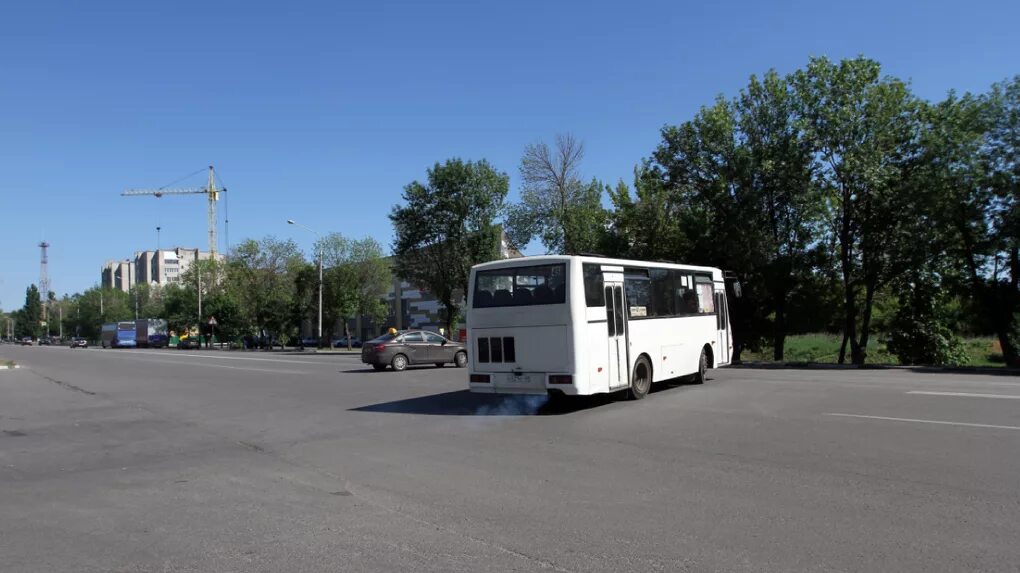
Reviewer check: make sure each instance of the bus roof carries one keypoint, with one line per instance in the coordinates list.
(545, 259)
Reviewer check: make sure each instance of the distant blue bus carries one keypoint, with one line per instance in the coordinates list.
(126, 332)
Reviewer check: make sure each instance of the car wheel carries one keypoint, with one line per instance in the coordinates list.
(699, 378)
(399, 362)
(460, 359)
(379, 367)
(641, 380)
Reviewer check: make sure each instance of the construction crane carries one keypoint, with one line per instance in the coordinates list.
(210, 191)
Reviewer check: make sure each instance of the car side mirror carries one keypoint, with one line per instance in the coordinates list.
(445, 341)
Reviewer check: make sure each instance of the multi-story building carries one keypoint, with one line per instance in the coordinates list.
(154, 268)
(118, 274)
(165, 266)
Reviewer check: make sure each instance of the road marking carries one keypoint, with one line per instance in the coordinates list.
(125, 355)
(966, 395)
(184, 354)
(941, 422)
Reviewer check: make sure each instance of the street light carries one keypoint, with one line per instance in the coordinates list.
(291, 222)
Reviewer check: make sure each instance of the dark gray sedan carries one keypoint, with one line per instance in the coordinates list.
(412, 347)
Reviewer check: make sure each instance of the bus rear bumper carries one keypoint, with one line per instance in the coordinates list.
(533, 383)
(488, 389)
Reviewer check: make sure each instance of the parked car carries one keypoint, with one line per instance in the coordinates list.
(45, 341)
(79, 342)
(27, 341)
(309, 342)
(412, 347)
(342, 342)
(190, 342)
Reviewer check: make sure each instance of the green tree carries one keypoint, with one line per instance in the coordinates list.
(695, 205)
(556, 205)
(446, 225)
(779, 204)
(261, 275)
(355, 280)
(31, 314)
(861, 127)
(992, 233)
(921, 330)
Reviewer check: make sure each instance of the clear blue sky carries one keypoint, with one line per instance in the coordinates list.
(322, 112)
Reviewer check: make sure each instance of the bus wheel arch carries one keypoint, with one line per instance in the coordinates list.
(641, 378)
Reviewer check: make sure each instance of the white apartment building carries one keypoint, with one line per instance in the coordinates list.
(154, 268)
(166, 266)
(118, 274)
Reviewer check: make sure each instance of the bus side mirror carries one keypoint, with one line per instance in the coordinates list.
(731, 278)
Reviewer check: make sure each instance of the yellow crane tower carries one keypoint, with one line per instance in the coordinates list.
(209, 190)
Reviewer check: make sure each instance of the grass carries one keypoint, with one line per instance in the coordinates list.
(824, 349)
(8, 363)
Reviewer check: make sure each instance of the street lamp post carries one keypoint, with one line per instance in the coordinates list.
(291, 222)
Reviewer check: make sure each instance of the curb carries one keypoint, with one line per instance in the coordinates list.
(6, 367)
(1003, 370)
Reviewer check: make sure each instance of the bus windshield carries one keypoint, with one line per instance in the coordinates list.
(520, 286)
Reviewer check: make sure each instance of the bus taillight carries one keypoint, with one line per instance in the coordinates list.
(480, 378)
(561, 379)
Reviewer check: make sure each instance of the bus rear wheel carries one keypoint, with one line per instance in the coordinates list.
(641, 379)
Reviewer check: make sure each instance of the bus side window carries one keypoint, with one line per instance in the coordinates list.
(593, 294)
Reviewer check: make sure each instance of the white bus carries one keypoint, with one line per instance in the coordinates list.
(578, 325)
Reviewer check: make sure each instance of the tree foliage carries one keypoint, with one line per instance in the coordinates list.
(446, 225)
(260, 278)
(565, 213)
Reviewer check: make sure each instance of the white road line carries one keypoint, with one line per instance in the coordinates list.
(966, 395)
(208, 365)
(941, 422)
(190, 355)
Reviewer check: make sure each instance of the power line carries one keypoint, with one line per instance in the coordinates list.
(183, 178)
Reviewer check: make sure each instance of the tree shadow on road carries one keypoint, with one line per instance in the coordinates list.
(466, 403)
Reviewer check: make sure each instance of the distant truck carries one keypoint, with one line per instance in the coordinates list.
(151, 333)
(118, 335)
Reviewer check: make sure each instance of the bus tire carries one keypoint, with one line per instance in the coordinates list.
(701, 375)
(641, 379)
(399, 363)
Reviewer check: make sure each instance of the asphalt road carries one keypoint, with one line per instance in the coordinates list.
(135, 460)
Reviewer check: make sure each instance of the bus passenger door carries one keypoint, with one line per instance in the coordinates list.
(725, 339)
(619, 364)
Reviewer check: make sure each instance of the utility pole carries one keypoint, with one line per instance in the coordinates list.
(61, 323)
(319, 237)
(44, 283)
(198, 272)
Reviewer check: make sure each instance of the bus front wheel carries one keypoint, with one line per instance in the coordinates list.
(641, 380)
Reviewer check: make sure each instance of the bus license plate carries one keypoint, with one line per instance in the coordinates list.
(518, 379)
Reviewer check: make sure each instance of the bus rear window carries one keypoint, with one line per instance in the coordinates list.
(520, 286)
